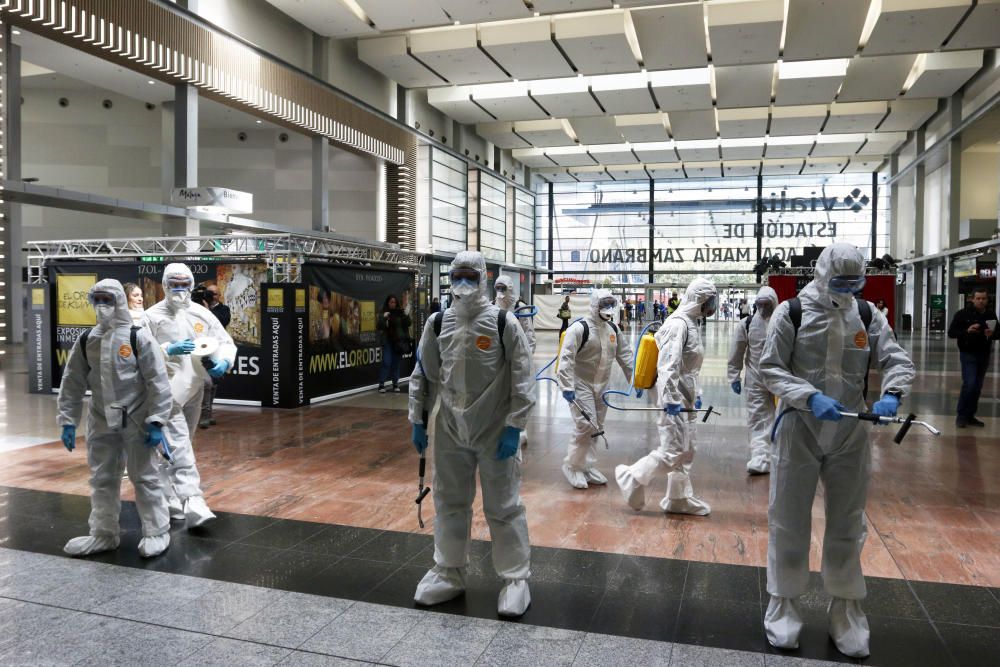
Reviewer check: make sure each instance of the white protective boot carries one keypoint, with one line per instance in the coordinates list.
(91, 544)
(576, 478)
(154, 545)
(849, 627)
(633, 492)
(197, 512)
(595, 476)
(440, 584)
(176, 508)
(514, 598)
(759, 464)
(783, 622)
(680, 498)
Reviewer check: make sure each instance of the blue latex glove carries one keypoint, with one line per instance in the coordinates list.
(638, 393)
(825, 407)
(737, 387)
(697, 403)
(887, 406)
(219, 369)
(179, 347)
(420, 437)
(154, 435)
(673, 409)
(569, 396)
(508, 443)
(69, 436)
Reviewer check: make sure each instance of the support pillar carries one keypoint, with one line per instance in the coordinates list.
(919, 270)
(185, 153)
(953, 300)
(12, 223)
(320, 184)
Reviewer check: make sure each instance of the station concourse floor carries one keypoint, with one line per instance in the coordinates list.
(316, 552)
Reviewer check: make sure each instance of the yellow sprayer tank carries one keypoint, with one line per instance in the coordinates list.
(645, 362)
(559, 349)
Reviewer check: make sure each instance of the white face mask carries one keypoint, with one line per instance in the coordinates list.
(464, 287)
(105, 313)
(608, 314)
(181, 299)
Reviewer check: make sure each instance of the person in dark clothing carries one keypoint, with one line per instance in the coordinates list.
(974, 327)
(395, 327)
(564, 314)
(208, 296)
(435, 305)
(219, 309)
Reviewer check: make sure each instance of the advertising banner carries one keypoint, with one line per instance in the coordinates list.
(38, 325)
(345, 347)
(285, 323)
(239, 289)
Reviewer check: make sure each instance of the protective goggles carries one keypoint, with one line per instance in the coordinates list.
(607, 302)
(464, 274)
(847, 284)
(500, 288)
(179, 284)
(102, 299)
(711, 305)
(764, 304)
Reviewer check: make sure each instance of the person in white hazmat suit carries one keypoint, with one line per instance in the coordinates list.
(677, 368)
(589, 347)
(816, 372)
(744, 353)
(506, 300)
(175, 322)
(129, 404)
(484, 381)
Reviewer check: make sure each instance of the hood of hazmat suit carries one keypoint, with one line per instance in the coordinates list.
(177, 318)
(126, 391)
(681, 351)
(507, 300)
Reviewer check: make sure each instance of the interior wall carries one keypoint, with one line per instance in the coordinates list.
(352, 76)
(937, 190)
(980, 176)
(904, 222)
(354, 194)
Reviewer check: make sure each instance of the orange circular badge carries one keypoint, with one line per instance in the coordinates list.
(199, 327)
(860, 340)
(612, 339)
(125, 351)
(484, 342)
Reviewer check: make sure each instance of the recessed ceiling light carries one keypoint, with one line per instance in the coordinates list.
(151, 82)
(16, 32)
(259, 122)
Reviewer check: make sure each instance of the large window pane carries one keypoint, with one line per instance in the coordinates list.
(449, 199)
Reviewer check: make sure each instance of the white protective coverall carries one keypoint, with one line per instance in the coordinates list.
(507, 300)
(830, 354)
(677, 367)
(174, 319)
(586, 372)
(744, 352)
(484, 386)
(128, 392)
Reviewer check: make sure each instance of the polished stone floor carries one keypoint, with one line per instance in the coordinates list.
(934, 515)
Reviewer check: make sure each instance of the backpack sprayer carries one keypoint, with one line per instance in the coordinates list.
(644, 375)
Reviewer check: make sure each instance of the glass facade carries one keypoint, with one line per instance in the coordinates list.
(449, 199)
(524, 227)
(601, 231)
(490, 211)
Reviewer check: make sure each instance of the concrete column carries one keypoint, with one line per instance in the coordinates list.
(919, 175)
(185, 152)
(953, 302)
(320, 184)
(13, 256)
(321, 57)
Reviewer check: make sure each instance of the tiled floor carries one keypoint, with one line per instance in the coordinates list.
(323, 503)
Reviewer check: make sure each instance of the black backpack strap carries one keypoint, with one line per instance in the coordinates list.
(83, 345)
(501, 327)
(614, 327)
(795, 313)
(747, 323)
(586, 334)
(133, 339)
(865, 312)
(436, 322)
